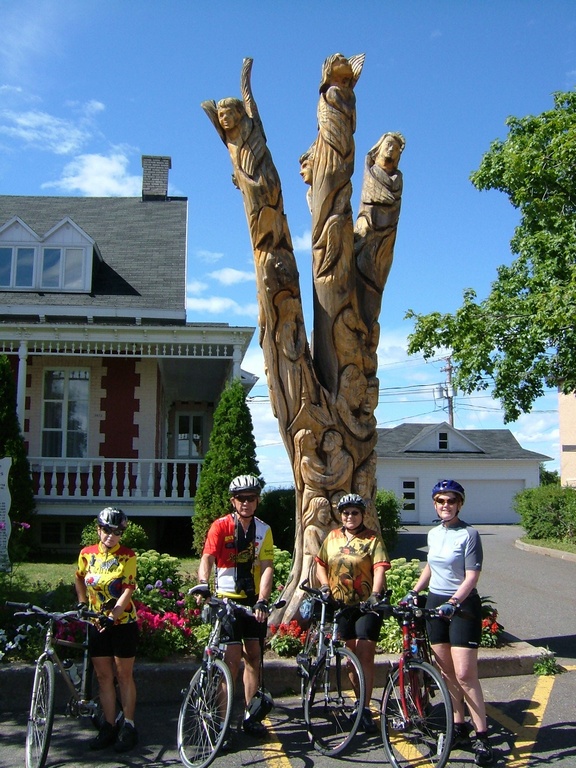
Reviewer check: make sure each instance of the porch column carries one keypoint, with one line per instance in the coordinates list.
(236, 361)
(21, 384)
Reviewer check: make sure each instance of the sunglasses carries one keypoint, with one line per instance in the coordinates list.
(248, 499)
(441, 502)
(113, 531)
(350, 512)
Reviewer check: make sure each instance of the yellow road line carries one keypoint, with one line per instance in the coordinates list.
(527, 733)
(273, 751)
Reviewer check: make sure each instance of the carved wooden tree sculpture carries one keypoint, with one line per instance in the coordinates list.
(324, 397)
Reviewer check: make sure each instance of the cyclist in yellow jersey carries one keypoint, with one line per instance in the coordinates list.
(105, 580)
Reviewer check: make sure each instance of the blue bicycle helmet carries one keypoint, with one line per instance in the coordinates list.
(351, 500)
(449, 486)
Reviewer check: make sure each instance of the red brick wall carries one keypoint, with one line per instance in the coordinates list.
(119, 406)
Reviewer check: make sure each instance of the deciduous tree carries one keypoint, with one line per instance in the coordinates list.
(522, 337)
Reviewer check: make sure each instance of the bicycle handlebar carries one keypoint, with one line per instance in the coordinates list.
(28, 609)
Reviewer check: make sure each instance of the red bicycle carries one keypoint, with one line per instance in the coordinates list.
(416, 711)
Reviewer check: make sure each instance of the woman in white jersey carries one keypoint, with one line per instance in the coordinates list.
(451, 574)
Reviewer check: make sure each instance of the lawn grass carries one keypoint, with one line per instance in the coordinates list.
(561, 546)
(55, 573)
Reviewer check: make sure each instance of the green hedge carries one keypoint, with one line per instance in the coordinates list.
(548, 512)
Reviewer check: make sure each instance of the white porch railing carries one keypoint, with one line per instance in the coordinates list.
(115, 478)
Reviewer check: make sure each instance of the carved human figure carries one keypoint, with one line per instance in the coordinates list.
(332, 227)
(317, 522)
(239, 126)
(376, 225)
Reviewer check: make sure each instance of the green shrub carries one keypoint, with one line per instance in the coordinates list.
(159, 581)
(277, 508)
(389, 512)
(548, 512)
(134, 537)
(400, 579)
(282, 565)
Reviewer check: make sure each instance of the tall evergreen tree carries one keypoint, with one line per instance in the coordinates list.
(231, 452)
(12, 445)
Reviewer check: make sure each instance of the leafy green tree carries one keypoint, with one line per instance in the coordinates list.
(549, 476)
(232, 451)
(522, 337)
(22, 505)
(389, 512)
(277, 508)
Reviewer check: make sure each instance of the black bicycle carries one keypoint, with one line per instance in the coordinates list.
(416, 710)
(79, 678)
(333, 686)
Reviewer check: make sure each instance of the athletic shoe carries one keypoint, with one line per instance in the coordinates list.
(483, 754)
(367, 724)
(106, 737)
(254, 728)
(461, 735)
(127, 738)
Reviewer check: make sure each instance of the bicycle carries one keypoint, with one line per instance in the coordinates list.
(206, 710)
(333, 698)
(79, 679)
(416, 711)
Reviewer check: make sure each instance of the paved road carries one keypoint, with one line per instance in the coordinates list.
(532, 719)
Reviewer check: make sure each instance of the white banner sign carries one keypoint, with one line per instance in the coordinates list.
(5, 525)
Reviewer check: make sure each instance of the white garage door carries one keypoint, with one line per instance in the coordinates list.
(490, 501)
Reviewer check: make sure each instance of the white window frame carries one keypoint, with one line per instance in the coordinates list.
(39, 282)
(410, 503)
(442, 441)
(63, 429)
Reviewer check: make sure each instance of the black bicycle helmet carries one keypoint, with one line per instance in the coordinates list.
(259, 706)
(111, 517)
(351, 500)
(245, 484)
(449, 486)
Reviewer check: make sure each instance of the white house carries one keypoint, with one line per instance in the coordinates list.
(116, 391)
(489, 463)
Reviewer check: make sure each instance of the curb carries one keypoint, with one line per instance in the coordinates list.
(164, 682)
(557, 553)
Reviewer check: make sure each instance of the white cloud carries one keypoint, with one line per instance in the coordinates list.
(96, 175)
(230, 276)
(222, 305)
(44, 131)
(303, 242)
(209, 256)
(195, 287)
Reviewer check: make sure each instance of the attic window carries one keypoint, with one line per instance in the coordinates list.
(58, 260)
(442, 441)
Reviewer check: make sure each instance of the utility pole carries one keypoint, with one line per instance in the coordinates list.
(449, 390)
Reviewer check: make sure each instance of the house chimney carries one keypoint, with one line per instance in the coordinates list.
(155, 176)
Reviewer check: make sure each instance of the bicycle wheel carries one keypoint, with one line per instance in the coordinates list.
(41, 715)
(333, 706)
(205, 715)
(416, 717)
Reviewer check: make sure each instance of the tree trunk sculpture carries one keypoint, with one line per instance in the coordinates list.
(324, 395)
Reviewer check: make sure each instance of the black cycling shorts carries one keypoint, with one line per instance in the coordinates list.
(119, 640)
(243, 627)
(354, 624)
(464, 630)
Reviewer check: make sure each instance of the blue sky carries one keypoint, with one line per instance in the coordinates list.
(88, 86)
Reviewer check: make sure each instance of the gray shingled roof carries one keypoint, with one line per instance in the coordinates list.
(494, 444)
(142, 243)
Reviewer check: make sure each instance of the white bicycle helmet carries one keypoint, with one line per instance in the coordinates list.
(245, 484)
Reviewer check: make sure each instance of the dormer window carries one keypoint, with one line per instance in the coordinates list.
(442, 441)
(59, 261)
